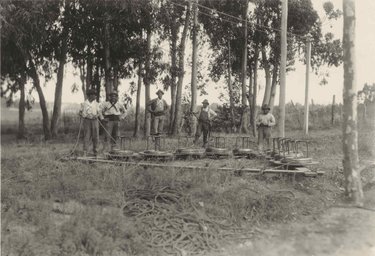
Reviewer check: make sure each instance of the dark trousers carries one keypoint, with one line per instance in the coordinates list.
(203, 127)
(112, 133)
(91, 131)
(264, 134)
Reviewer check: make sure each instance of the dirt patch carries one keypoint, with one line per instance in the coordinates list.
(340, 231)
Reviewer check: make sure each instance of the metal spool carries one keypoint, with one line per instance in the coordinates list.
(121, 154)
(218, 152)
(243, 152)
(190, 153)
(156, 155)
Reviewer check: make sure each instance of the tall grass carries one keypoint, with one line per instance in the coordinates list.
(70, 208)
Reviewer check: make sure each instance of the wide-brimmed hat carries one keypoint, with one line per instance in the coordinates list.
(159, 91)
(90, 92)
(265, 106)
(113, 93)
(205, 102)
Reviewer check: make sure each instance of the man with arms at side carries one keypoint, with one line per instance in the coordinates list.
(205, 116)
(158, 108)
(264, 123)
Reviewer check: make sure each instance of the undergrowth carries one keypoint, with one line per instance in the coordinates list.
(52, 207)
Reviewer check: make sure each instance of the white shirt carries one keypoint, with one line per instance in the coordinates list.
(89, 109)
(265, 119)
(159, 105)
(211, 113)
(117, 109)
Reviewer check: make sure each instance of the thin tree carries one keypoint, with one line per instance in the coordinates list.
(146, 82)
(284, 18)
(194, 65)
(181, 73)
(244, 118)
(353, 186)
(137, 123)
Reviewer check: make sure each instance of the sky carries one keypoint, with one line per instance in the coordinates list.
(295, 80)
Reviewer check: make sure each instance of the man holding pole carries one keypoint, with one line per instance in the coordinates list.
(112, 112)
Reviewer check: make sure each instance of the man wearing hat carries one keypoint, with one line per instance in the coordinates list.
(90, 112)
(158, 108)
(264, 122)
(112, 112)
(205, 116)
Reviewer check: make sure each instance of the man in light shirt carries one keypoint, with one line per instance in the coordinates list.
(264, 122)
(205, 116)
(158, 108)
(90, 112)
(111, 113)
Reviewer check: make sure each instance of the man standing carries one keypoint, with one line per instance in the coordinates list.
(112, 112)
(158, 108)
(205, 116)
(264, 122)
(90, 112)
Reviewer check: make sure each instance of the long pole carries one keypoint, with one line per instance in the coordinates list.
(353, 184)
(284, 19)
(308, 61)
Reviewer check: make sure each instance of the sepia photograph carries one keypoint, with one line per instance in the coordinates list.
(187, 127)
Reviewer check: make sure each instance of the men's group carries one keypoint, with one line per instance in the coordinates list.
(111, 112)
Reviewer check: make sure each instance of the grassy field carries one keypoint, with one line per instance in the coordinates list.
(52, 207)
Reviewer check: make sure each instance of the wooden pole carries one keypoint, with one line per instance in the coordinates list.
(353, 184)
(284, 20)
(308, 61)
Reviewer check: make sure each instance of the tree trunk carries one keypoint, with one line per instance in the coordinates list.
(353, 184)
(273, 87)
(181, 73)
(115, 77)
(107, 53)
(21, 108)
(58, 90)
(244, 119)
(244, 54)
(42, 101)
(137, 124)
(173, 85)
(194, 68)
(267, 72)
(333, 110)
(96, 80)
(255, 91)
(146, 81)
(89, 78)
(230, 89)
(250, 95)
(82, 76)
